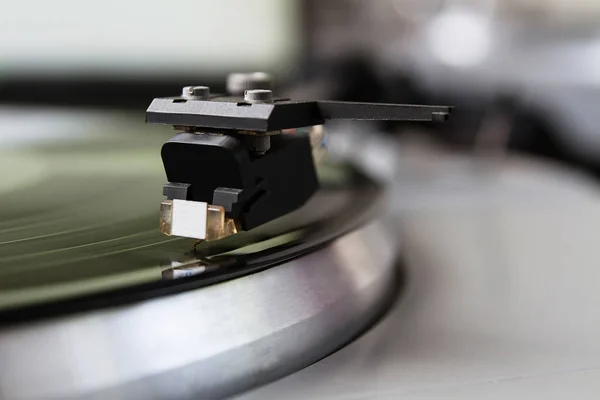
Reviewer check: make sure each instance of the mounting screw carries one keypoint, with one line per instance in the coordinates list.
(257, 145)
(238, 82)
(258, 96)
(195, 92)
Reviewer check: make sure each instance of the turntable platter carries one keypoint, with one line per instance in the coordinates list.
(86, 313)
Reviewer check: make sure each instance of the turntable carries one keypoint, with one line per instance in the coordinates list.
(290, 263)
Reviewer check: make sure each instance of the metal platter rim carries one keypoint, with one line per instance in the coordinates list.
(213, 342)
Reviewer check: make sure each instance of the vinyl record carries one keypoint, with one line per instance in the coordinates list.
(78, 225)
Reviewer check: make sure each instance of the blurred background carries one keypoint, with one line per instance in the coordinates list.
(532, 65)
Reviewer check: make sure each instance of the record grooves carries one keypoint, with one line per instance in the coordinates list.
(79, 230)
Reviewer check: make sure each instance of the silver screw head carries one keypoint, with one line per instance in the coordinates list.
(258, 96)
(195, 92)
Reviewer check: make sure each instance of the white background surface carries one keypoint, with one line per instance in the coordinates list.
(502, 269)
(146, 36)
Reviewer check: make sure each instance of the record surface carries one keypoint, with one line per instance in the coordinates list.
(78, 218)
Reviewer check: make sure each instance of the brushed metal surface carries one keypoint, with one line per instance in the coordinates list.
(211, 342)
(501, 296)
